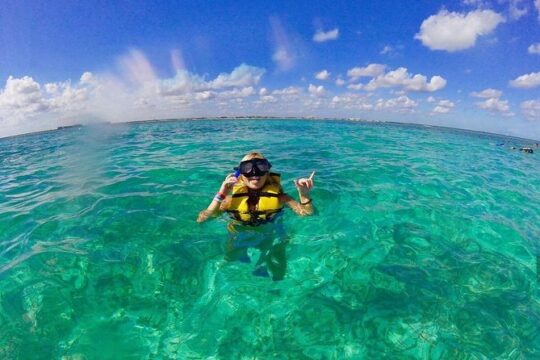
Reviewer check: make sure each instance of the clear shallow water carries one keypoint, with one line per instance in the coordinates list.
(423, 246)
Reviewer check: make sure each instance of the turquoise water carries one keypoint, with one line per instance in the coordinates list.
(424, 245)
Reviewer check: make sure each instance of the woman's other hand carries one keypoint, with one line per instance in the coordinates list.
(305, 185)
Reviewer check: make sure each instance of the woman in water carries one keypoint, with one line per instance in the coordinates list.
(254, 198)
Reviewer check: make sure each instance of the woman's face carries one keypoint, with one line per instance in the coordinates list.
(255, 182)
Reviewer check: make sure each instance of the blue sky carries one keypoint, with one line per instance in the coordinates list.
(471, 64)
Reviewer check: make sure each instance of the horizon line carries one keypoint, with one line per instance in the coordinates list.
(261, 117)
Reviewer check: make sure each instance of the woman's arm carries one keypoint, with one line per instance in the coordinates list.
(221, 200)
(305, 206)
(298, 208)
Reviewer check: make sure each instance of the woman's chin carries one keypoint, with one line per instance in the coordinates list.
(255, 182)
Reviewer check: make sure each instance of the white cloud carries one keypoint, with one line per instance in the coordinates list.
(534, 49)
(283, 58)
(321, 36)
(26, 105)
(371, 70)
(340, 82)
(185, 82)
(238, 93)
(263, 91)
(531, 109)
(288, 91)
(401, 78)
(243, 75)
(495, 105)
(402, 104)
(451, 31)
(355, 86)
(431, 99)
(526, 81)
(322, 75)
(475, 3)
(351, 102)
(24, 95)
(516, 9)
(492, 102)
(205, 95)
(487, 93)
(443, 107)
(318, 91)
(87, 78)
(386, 50)
(440, 110)
(268, 99)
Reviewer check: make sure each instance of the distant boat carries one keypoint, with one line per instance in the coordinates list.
(69, 127)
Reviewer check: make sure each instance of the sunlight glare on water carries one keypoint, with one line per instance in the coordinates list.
(423, 246)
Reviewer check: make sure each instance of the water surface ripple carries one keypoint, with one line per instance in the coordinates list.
(424, 245)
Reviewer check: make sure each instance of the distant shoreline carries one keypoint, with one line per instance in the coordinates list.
(302, 118)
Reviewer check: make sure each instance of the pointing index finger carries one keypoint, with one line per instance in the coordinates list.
(311, 176)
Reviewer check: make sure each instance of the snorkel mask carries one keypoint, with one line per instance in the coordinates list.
(253, 167)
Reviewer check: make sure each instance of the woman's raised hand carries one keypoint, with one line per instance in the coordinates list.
(305, 185)
(229, 182)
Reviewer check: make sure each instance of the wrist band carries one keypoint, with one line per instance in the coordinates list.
(219, 197)
(307, 202)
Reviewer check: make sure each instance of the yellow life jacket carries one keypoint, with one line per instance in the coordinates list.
(267, 203)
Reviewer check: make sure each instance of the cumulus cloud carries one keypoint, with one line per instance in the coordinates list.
(402, 104)
(322, 75)
(185, 82)
(268, 99)
(371, 70)
(401, 78)
(487, 93)
(351, 102)
(322, 36)
(318, 91)
(531, 109)
(355, 86)
(340, 81)
(27, 105)
(493, 102)
(23, 94)
(288, 91)
(451, 31)
(238, 93)
(526, 81)
(243, 75)
(495, 105)
(534, 49)
(443, 107)
(204, 95)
